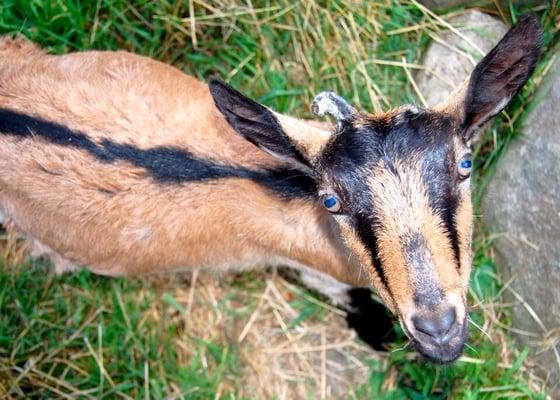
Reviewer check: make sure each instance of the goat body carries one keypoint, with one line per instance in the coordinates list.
(123, 164)
(127, 166)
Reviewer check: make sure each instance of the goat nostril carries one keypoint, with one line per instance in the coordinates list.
(436, 325)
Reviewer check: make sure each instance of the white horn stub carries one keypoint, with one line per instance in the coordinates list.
(331, 103)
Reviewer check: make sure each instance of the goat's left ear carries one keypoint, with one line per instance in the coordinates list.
(497, 77)
(288, 139)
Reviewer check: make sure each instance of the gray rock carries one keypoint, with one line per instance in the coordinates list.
(522, 206)
(504, 4)
(445, 4)
(449, 60)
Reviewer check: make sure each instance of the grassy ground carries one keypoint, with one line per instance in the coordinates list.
(254, 334)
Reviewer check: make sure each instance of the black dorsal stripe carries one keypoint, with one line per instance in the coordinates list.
(163, 164)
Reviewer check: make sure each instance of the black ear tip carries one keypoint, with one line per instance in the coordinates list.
(219, 89)
(526, 23)
(216, 85)
(528, 18)
(530, 27)
(223, 94)
(215, 80)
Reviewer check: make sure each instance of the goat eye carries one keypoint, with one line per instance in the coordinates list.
(465, 166)
(331, 203)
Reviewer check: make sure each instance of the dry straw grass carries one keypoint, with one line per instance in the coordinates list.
(317, 356)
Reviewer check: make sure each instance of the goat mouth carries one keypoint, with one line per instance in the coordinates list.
(444, 350)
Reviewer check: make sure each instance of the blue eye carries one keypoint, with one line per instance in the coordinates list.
(331, 203)
(465, 166)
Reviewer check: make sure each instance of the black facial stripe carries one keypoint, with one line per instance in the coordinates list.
(447, 214)
(345, 155)
(165, 165)
(439, 171)
(444, 205)
(369, 240)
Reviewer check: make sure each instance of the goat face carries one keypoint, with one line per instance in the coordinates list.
(398, 186)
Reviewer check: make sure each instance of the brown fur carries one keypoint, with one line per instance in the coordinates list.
(308, 137)
(110, 217)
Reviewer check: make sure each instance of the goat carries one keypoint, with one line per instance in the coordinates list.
(126, 166)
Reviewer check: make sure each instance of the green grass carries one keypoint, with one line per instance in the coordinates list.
(69, 326)
(96, 337)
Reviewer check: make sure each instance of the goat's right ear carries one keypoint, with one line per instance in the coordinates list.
(497, 77)
(288, 139)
